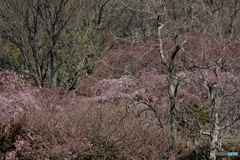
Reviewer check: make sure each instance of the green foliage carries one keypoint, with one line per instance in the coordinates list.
(76, 51)
(201, 114)
(12, 50)
(194, 115)
(10, 57)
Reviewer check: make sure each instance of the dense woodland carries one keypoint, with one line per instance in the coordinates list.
(119, 79)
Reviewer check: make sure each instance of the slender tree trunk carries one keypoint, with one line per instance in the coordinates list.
(215, 134)
(172, 106)
(173, 128)
(172, 89)
(214, 137)
(54, 69)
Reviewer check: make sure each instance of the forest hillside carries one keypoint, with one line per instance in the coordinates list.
(119, 79)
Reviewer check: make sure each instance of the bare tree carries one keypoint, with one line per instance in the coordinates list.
(173, 23)
(35, 27)
(224, 33)
(56, 40)
(214, 26)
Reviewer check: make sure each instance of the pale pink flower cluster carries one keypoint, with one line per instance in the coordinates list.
(150, 86)
(141, 86)
(112, 87)
(15, 96)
